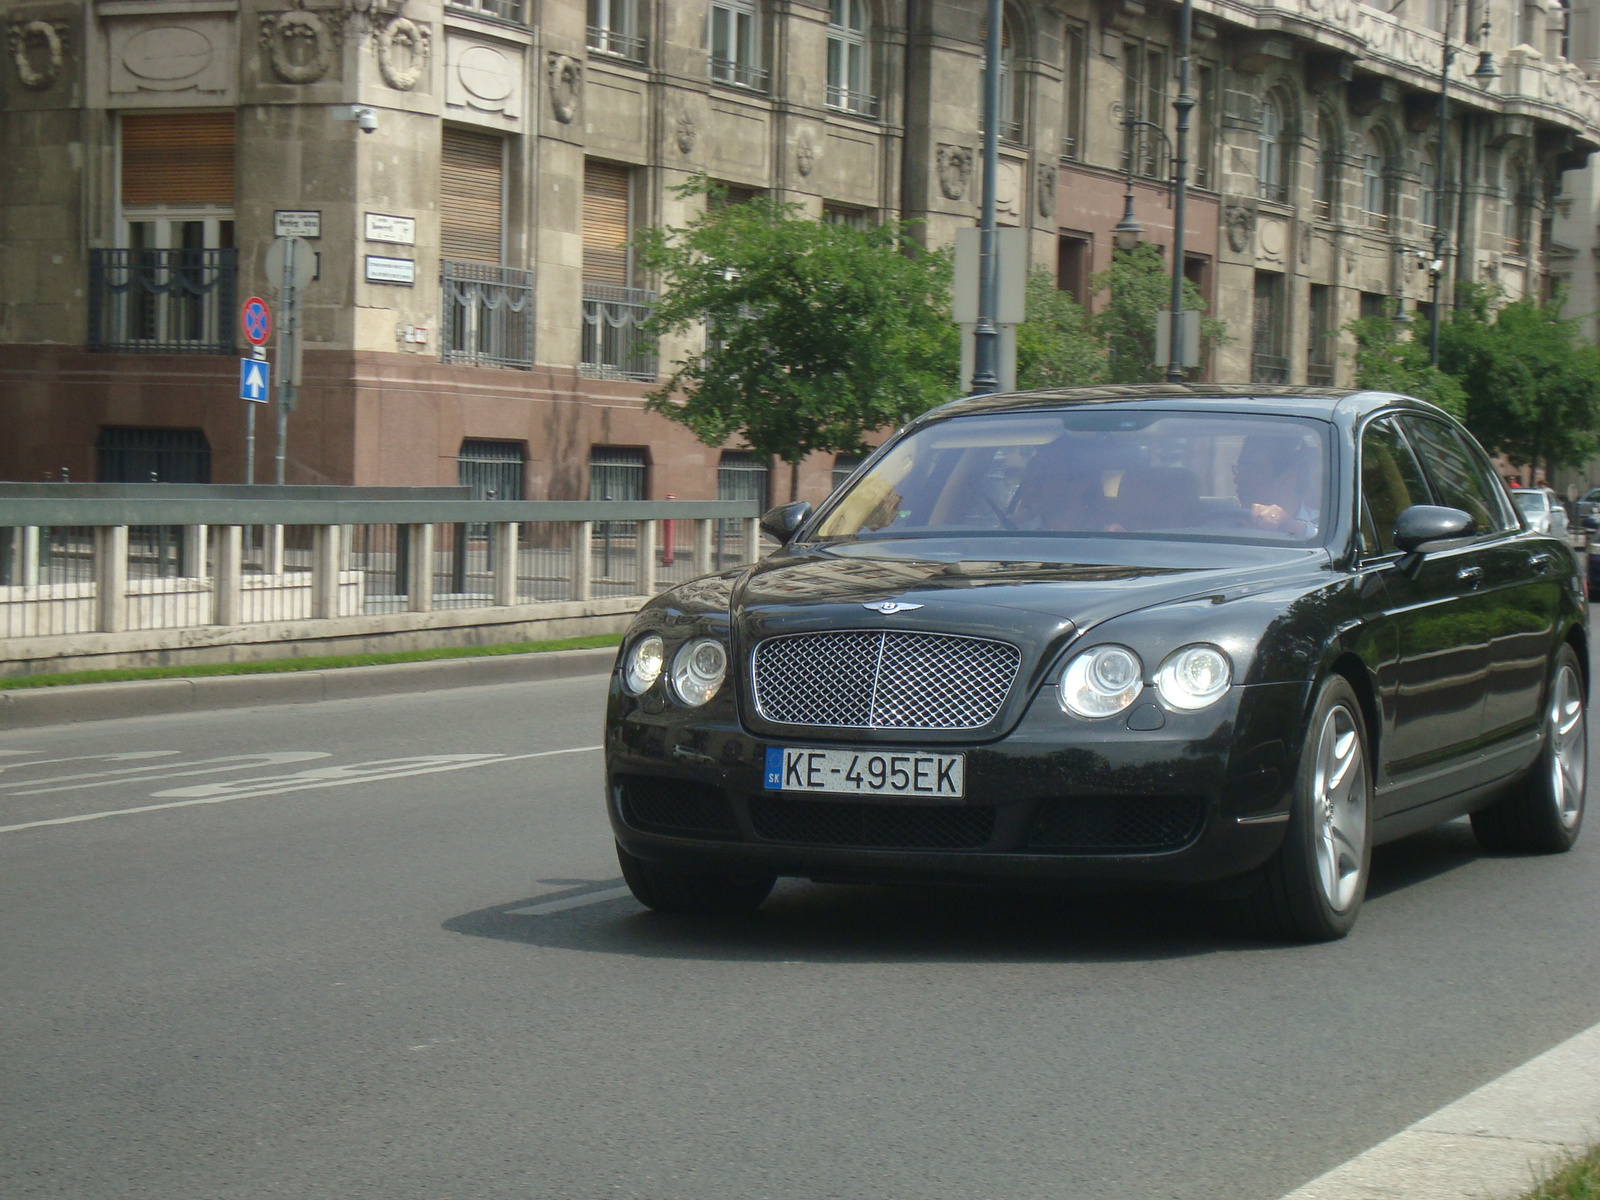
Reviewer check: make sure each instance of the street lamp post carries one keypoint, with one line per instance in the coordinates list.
(1484, 74)
(1180, 186)
(986, 334)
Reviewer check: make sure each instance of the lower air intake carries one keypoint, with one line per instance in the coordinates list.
(675, 807)
(1117, 824)
(872, 826)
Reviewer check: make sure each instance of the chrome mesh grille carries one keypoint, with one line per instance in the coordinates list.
(883, 679)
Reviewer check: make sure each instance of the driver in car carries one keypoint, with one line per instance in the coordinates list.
(1275, 479)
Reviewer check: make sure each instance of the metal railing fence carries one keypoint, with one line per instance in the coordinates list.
(162, 301)
(488, 314)
(106, 558)
(614, 344)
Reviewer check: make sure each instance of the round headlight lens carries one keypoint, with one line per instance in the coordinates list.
(642, 667)
(1101, 682)
(698, 671)
(1194, 677)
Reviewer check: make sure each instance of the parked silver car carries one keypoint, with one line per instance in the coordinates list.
(1543, 510)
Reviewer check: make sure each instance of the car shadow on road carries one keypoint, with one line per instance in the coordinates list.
(1422, 856)
(840, 923)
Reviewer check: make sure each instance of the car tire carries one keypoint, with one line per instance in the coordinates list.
(1311, 889)
(1543, 812)
(672, 891)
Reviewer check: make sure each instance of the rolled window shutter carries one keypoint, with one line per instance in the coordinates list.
(471, 186)
(605, 223)
(177, 158)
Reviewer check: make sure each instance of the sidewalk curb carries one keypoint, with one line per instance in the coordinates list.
(1490, 1142)
(28, 708)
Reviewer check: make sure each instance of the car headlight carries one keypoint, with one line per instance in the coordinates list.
(1101, 682)
(1194, 677)
(643, 664)
(698, 671)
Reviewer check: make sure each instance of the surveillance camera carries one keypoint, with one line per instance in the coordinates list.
(367, 121)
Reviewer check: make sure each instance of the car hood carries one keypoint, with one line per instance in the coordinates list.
(1036, 593)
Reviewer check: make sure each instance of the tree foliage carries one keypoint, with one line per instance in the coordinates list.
(1058, 345)
(819, 333)
(1138, 284)
(1388, 359)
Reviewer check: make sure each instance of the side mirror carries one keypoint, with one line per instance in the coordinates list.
(1423, 524)
(781, 523)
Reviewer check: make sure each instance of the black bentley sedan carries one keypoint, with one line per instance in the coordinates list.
(1177, 634)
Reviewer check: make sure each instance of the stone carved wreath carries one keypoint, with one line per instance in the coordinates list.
(566, 80)
(403, 48)
(955, 167)
(299, 44)
(38, 51)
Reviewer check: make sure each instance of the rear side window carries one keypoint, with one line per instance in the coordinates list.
(1391, 482)
(1459, 477)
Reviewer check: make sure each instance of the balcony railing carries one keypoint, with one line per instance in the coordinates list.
(162, 301)
(614, 346)
(860, 103)
(726, 70)
(1069, 146)
(618, 45)
(506, 10)
(488, 314)
(1269, 368)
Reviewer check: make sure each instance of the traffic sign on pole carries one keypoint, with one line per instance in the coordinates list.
(253, 380)
(256, 320)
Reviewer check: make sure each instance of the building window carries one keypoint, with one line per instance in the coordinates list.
(1073, 82)
(1144, 99)
(616, 473)
(841, 214)
(1072, 267)
(1516, 213)
(1375, 197)
(506, 10)
(849, 71)
(1272, 175)
(492, 469)
(614, 29)
(1320, 347)
(1268, 363)
(1205, 121)
(1374, 304)
(614, 312)
(1013, 93)
(735, 38)
(1325, 184)
(471, 195)
(1430, 187)
(133, 454)
(844, 466)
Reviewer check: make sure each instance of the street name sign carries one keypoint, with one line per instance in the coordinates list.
(391, 270)
(401, 231)
(292, 222)
(254, 379)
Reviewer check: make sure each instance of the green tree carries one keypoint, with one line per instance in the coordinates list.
(1532, 384)
(1057, 346)
(1139, 285)
(1388, 359)
(818, 333)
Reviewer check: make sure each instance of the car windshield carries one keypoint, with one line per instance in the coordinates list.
(1532, 503)
(1095, 471)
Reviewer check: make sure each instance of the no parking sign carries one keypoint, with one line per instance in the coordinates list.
(256, 320)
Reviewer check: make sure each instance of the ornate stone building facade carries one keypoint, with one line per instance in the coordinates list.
(474, 313)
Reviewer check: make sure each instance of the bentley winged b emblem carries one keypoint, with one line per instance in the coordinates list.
(889, 607)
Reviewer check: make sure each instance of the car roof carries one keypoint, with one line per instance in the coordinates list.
(1195, 397)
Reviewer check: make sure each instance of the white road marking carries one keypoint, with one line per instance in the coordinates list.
(125, 756)
(1489, 1142)
(281, 785)
(555, 906)
(205, 766)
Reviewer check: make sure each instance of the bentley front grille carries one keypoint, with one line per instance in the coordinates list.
(883, 679)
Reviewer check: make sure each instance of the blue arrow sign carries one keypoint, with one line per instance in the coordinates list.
(253, 376)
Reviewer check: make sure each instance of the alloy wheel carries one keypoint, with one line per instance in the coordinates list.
(1568, 746)
(1340, 809)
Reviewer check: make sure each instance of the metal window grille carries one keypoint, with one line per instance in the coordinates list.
(844, 466)
(488, 314)
(143, 455)
(614, 344)
(1268, 364)
(741, 475)
(162, 301)
(727, 70)
(619, 45)
(492, 469)
(1320, 347)
(616, 474)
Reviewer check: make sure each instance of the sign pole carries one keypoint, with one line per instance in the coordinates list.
(286, 336)
(250, 443)
(256, 320)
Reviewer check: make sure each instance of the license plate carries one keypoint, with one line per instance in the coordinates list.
(865, 773)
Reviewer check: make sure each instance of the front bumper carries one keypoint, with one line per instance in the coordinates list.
(1201, 798)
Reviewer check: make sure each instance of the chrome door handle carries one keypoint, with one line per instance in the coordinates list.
(1471, 576)
(1540, 563)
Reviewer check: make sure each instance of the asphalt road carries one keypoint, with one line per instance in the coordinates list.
(297, 978)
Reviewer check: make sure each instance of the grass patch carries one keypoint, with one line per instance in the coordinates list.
(1576, 1179)
(277, 665)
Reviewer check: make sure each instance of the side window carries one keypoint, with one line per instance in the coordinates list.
(1459, 477)
(1391, 482)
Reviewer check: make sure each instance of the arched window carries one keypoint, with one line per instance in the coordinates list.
(1515, 212)
(1272, 161)
(1325, 185)
(1430, 186)
(1375, 200)
(849, 69)
(1013, 96)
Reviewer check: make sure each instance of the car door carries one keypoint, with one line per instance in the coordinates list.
(1519, 599)
(1434, 695)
